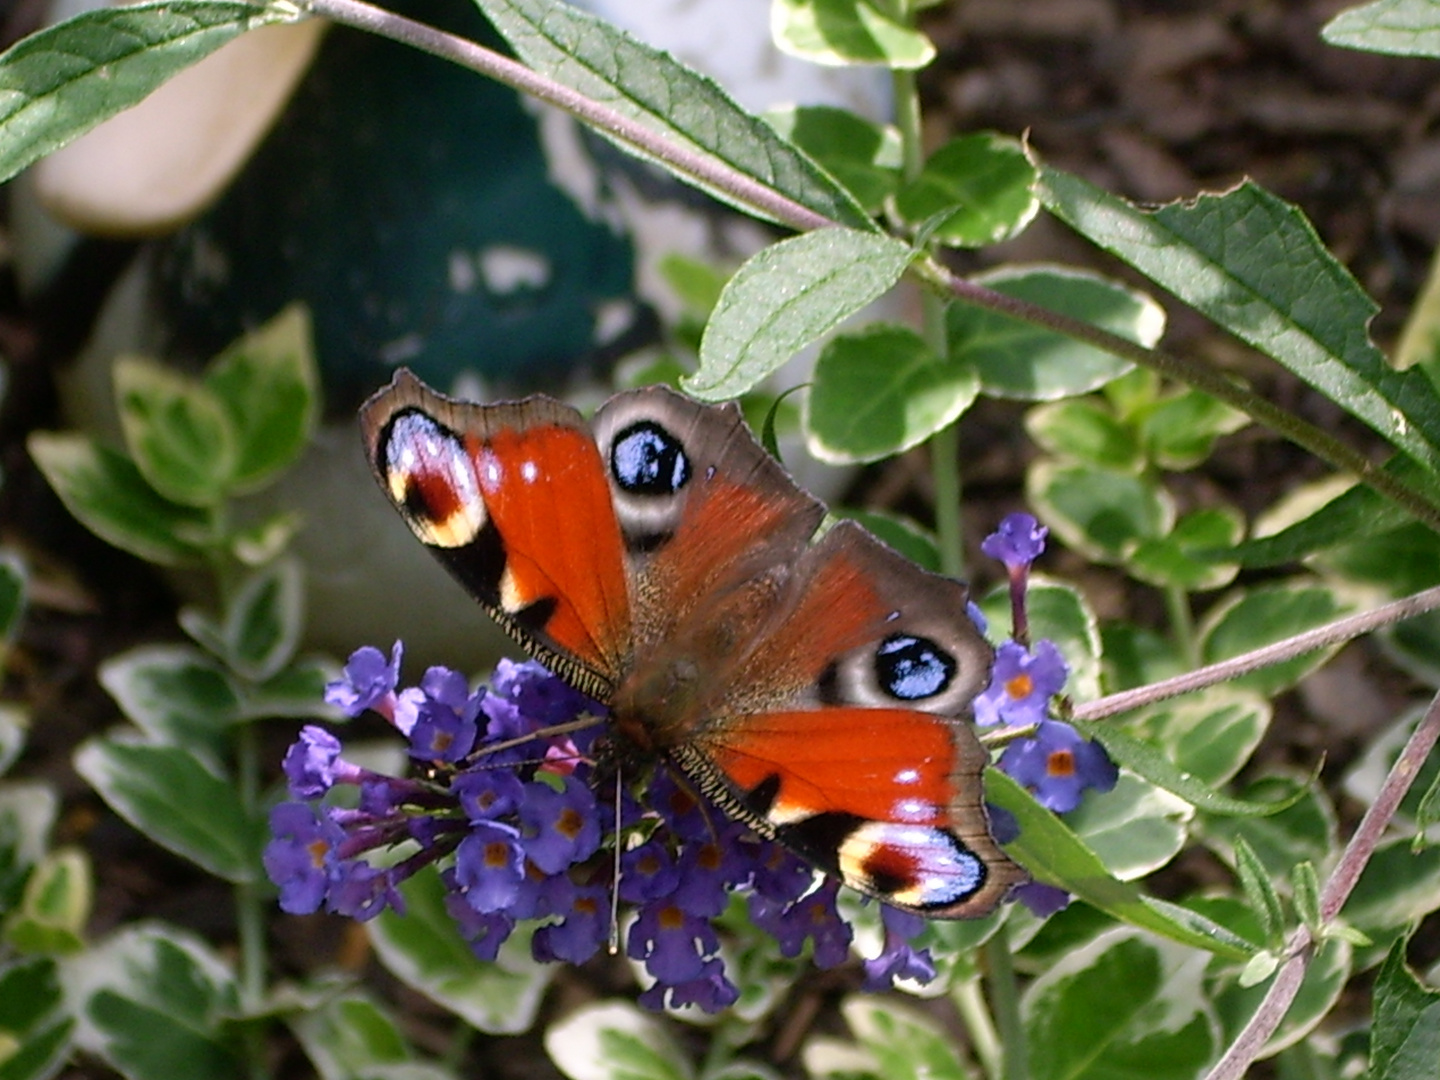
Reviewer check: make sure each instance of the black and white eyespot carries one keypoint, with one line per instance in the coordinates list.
(646, 439)
(909, 667)
(906, 669)
(432, 480)
(647, 459)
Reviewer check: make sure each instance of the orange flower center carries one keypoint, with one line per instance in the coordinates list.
(1060, 763)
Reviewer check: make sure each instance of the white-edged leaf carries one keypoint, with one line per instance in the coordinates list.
(60, 82)
(786, 296)
(615, 1041)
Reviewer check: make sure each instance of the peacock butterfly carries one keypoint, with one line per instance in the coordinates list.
(659, 560)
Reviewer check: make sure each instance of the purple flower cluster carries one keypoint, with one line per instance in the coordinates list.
(503, 802)
(1055, 764)
(507, 809)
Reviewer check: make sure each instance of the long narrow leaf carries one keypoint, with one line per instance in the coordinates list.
(592, 57)
(59, 83)
(1055, 855)
(1252, 263)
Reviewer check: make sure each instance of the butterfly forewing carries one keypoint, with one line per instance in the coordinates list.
(512, 499)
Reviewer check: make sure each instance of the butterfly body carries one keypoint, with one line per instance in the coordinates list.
(659, 560)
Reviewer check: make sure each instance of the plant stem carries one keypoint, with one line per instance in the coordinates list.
(1182, 624)
(1201, 376)
(250, 911)
(944, 445)
(1335, 633)
(970, 1004)
(698, 166)
(1251, 1041)
(250, 918)
(1005, 1001)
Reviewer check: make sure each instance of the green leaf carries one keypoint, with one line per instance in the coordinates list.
(1366, 775)
(837, 32)
(1174, 560)
(1305, 888)
(975, 190)
(1252, 263)
(28, 809)
(12, 600)
(60, 82)
(37, 1024)
(1262, 615)
(903, 1042)
(1154, 1020)
(1086, 431)
(1143, 759)
(424, 949)
(14, 724)
(263, 620)
(172, 797)
(1055, 855)
(107, 494)
(154, 1001)
(863, 156)
(1400, 561)
(784, 297)
(1304, 829)
(1397, 887)
(267, 384)
(647, 85)
(1356, 514)
(175, 695)
(880, 391)
(1208, 735)
(1427, 815)
(905, 536)
(1405, 1036)
(1324, 982)
(615, 1041)
(695, 282)
(1264, 900)
(348, 1036)
(260, 543)
(1180, 430)
(1400, 27)
(1134, 829)
(1100, 512)
(1019, 360)
(179, 434)
(52, 914)
(1137, 655)
(299, 690)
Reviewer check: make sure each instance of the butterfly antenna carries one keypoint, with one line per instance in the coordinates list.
(548, 732)
(615, 878)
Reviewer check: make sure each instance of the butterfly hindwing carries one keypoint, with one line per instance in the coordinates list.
(513, 499)
(871, 769)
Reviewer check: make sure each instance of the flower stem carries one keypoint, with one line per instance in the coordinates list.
(970, 1003)
(1182, 624)
(249, 909)
(1005, 1001)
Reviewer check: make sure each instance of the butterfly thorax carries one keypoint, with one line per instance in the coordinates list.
(677, 685)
